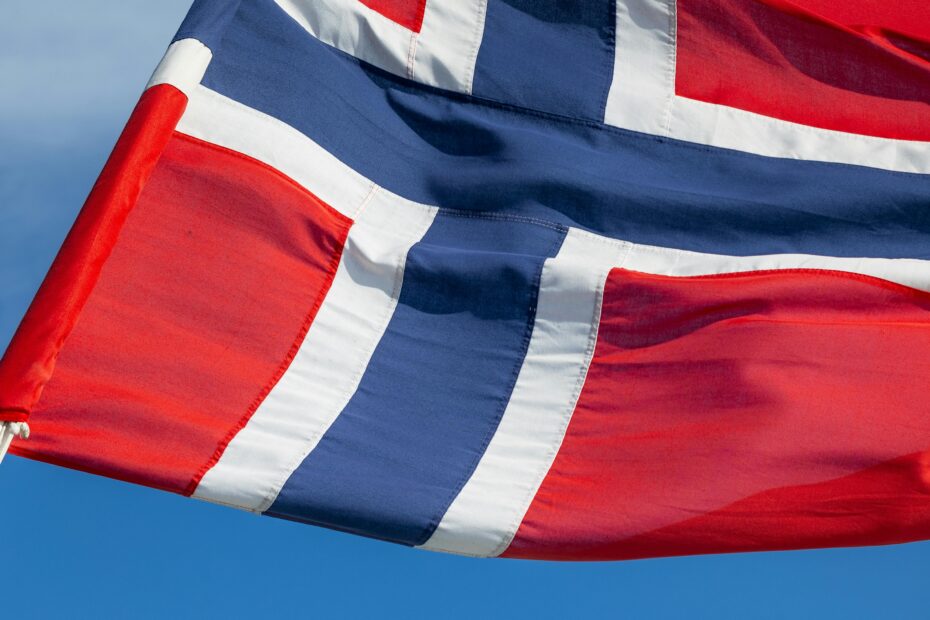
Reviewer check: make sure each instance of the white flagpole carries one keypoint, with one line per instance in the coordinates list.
(9, 430)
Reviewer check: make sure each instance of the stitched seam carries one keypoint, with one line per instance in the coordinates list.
(505, 399)
(412, 54)
(595, 238)
(490, 215)
(367, 200)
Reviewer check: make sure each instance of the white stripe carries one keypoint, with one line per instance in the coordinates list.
(215, 118)
(183, 65)
(487, 512)
(329, 365)
(447, 48)
(642, 98)
(485, 516)
(726, 127)
(643, 85)
(670, 262)
(442, 54)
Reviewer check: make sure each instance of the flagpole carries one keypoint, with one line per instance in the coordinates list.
(8, 431)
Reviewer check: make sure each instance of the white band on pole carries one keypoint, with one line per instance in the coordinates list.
(9, 430)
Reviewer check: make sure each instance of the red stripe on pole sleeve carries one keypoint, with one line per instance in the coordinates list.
(856, 66)
(407, 13)
(30, 358)
(207, 295)
(722, 401)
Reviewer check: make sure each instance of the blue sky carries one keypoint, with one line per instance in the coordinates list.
(78, 546)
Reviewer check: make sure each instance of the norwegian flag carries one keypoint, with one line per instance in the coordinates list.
(568, 280)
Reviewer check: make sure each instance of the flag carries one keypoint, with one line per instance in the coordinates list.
(537, 279)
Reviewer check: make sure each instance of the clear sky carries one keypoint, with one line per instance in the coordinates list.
(79, 546)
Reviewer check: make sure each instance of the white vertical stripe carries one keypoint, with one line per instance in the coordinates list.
(446, 49)
(442, 54)
(329, 364)
(183, 65)
(484, 517)
(643, 85)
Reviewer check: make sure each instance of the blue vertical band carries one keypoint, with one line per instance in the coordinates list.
(548, 55)
(435, 388)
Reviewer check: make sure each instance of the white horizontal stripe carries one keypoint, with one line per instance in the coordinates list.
(726, 127)
(183, 65)
(665, 261)
(442, 54)
(215, 118)
(487, 512)
(642, 98)
(329, 364)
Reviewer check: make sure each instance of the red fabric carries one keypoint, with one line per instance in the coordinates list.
(407, 13)
(885, 504)
(850, 65)
(768, 410)
(214, 281)
(30, 358)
